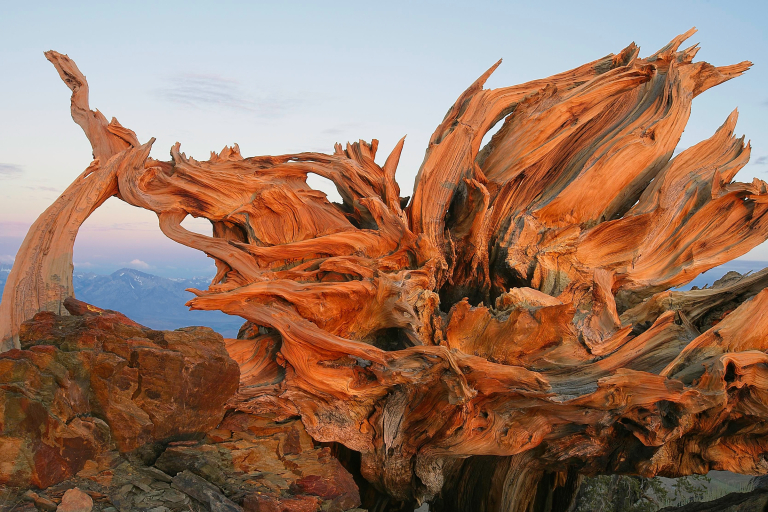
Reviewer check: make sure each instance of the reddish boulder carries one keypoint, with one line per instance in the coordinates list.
(75, 500)
(47, 432)
(85, 383)
(334, 484)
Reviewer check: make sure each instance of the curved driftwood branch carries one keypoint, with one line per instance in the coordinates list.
(41, 277)
(514, 320)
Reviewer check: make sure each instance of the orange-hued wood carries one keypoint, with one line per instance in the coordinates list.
(517, 307)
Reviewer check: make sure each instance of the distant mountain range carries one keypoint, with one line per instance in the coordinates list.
(158, 302)
(712, 275)
(154, 301)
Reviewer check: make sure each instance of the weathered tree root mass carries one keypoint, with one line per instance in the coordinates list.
(507, 328)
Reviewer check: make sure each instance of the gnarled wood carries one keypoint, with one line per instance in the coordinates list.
(41, 277)
(517, 307)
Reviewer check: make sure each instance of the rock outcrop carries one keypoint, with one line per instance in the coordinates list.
(94, 381)
(100, 413)
(754, 501)
(250, 463)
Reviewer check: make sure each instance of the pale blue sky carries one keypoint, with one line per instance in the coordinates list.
(291, 76)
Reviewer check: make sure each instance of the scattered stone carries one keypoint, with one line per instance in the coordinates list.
(191, 484)
(144, 487)
(204, 460)
(173, 496)
(75, 500)
(204, 492)
(121, 500)
(40, 502)
(220, 503)
(155, 473)
(22, 507)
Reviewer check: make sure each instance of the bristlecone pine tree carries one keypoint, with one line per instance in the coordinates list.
(507, 329)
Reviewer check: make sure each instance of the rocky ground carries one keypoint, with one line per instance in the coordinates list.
(755, 501)
(100, 413)
(249, 463)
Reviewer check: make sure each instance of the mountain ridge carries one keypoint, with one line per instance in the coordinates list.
(154, 301)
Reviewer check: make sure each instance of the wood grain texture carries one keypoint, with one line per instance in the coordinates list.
(517, 306)
(41, 277)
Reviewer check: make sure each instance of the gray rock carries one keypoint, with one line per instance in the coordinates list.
(220, 503)
(193, 485)
(121, 500)
(205, 461)
(173, 496)
(204, 492)
(157, 474)
(144, 487)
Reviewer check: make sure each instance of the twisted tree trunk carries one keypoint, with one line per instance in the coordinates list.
(510, 327)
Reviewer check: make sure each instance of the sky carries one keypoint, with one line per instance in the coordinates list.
(281, 77)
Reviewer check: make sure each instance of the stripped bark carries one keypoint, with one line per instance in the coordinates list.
(41, 277)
